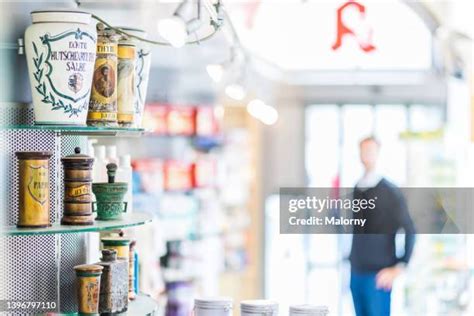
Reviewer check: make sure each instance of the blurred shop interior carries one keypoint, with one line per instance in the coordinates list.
(281, 97)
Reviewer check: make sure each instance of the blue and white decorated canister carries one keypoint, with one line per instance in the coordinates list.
(60, 51)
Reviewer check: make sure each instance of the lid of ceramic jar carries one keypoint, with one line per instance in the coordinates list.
(67, 16)
(88, 269)
(38, 155)
(77, 159)
(214, 303)
(259, 306)
(307, 309)
(115, 241)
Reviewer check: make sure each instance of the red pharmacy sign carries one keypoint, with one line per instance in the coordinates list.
(356, 27)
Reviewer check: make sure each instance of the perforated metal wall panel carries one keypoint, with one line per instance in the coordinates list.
(36, 268)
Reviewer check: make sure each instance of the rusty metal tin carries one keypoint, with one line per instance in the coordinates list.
(120, 244)
(88, 287)
(33, 189)
(103, 101)
(126, 83)
(113, 283)
(131, 270)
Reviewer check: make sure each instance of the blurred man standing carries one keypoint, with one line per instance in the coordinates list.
(374, 264)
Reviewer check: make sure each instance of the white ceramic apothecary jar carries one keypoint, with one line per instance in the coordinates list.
(308, 310)
(60, 51)
(213, 306)
(142, 72)
(258, 308)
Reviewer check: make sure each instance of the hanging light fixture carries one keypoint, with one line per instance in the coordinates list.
(263, 112)
(175, 29)
(235, 91)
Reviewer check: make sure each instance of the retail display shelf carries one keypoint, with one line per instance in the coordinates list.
(82, 130)
(142, 305)
(128, 220)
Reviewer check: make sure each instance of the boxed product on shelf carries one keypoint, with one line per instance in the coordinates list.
(181, 120)
(178, 175)
(155, 119)
(204, 173)
(206, 121)
(148, 175)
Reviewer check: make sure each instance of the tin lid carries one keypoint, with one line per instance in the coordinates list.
(115, 241)
(306, 309)
(77, 159)
(213, 303)
(64, 15)
(39, 155)
(88, 269)
(259, 307)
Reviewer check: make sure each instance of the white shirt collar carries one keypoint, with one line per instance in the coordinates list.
(369, 180)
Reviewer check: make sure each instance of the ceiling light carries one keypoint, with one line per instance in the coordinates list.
(215, 71)
(265, 113)
(173, 30)
(235, 91)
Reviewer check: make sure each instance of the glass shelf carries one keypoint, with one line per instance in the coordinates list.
(82, 130)
(128, 220)
(142, 305)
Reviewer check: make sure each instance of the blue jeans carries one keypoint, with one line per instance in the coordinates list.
(368, 299)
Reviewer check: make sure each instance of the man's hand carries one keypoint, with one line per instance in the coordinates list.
(384, 279)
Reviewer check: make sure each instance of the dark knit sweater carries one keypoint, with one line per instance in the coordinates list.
(373, 246)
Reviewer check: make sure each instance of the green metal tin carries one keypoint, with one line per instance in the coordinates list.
(109, 196)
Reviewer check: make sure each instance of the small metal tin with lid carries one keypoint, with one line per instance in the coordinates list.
(258, 307)
(33, 188)
(308, 310)
(88, 276)
(120, 244)
(213, 306)
(77, 188)
(113, 296)
(103, 100)
(126, 82)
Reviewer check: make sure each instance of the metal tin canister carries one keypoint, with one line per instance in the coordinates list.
(120, 244)
(33, 189)
(77, 189)
(126, 83)
(103, 100)
(131, 270)
(88, 287)
(113, 297)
